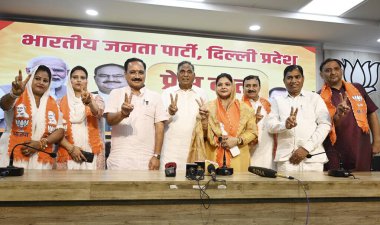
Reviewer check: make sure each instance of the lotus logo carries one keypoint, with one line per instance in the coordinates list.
(357, 98)
(51, 129)
(22, 123)
(366, 74)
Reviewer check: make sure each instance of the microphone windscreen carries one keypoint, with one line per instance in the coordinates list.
(211, 168)
(170, 165)
(263, 172)
(53, 155)
(308, 156)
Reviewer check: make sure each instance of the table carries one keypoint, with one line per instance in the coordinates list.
(145, 197)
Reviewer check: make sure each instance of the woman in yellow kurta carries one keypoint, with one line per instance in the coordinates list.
(230, 119)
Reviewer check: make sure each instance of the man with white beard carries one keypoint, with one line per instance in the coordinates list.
(59, 71)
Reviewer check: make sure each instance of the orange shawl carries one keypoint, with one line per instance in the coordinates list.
(21, 129)
(267, 106)
(359, 107)
(93, 131)
(230, 119)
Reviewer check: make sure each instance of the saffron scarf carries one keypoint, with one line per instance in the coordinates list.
(230, 119)
(75, 112)
(93, 131)
(359, 107)
(265, 103)
(33, 123)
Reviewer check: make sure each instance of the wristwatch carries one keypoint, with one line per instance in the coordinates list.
(158, 156)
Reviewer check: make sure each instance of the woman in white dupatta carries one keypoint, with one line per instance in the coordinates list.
(82, 112)
(33, 118)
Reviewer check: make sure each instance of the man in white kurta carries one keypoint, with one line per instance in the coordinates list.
(136, 115)
(262, 152)
(302, 122)
(181, 103)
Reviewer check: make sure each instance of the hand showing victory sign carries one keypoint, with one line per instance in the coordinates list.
(258, 115)
(203, 111)
(18, 85)
(173, 106)
(127, 107)
(342, 108)
(291, 121)
(86, 96)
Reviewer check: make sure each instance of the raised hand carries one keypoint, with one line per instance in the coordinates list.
(127, 107)
(86, 96)
(291, 121)
(18, 85)
(203, 111)
(258, 115)
(342, 108)
(173, 105)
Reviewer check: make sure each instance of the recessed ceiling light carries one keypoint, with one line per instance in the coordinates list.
(378, 40)
(255, 27)
(92, 12)
(328, 7)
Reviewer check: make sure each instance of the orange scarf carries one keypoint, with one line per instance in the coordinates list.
(359, 107)
(93, 131)
(266, 104)
(230, 118)
(21, 130)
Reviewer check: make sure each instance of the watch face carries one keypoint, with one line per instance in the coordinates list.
(157, 156)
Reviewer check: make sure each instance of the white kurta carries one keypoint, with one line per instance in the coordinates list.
(313, 125)
(262, 152)
(134, 137)
(178, 131)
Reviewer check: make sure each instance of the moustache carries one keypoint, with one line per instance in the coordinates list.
(136, 79)
(251, 91)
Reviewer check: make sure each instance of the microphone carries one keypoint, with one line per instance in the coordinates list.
(265, 172)
(311, 155)
(211, 171)
(341, 172)
(170, 169)
(11, 170)
(224, 170)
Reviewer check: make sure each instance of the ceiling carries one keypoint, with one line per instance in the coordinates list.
(279, 19)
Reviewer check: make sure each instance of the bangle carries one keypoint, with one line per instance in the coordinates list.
(13, 95)
(44, 143)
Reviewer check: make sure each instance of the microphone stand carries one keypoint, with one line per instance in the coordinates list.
(224, 170)
(11, 170)
(341, 172)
